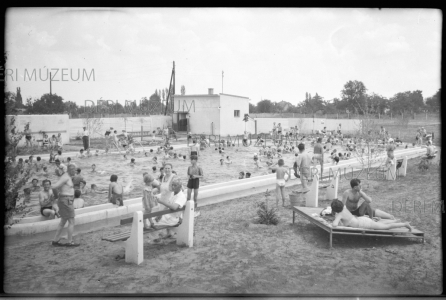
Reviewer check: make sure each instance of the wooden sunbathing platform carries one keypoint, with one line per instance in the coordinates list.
(306, 212)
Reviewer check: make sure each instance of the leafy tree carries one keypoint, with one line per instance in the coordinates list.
(407, 102)
(354, 93)
(377, 104)
(10, 102)
(433, 103)
(265, 106)
(16, 175)
(252, 108)
(48, 104)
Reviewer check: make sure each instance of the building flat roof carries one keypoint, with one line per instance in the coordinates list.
(213, 95)
(202, 95)
(234, 96)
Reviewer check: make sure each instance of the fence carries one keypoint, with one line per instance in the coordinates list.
(389, 116)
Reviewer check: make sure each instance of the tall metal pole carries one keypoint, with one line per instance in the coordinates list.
(172, 79)
(222, 75)
(50, 84)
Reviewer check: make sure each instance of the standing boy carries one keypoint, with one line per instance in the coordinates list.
(280, 182)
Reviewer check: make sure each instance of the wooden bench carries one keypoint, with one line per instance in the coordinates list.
(125, 235)
(134, 238)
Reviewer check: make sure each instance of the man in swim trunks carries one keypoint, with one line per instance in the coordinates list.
(115, 191)
(194, 148)
(28, 138)
(303, 162)
(64, 207)
(351, 197)
(318, 155)
(281, 171)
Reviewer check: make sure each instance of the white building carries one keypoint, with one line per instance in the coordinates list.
(218, 114)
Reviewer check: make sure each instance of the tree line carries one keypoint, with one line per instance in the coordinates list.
(55, 104)
(354, 99)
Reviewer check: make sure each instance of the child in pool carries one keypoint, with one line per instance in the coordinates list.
(248, 175)
(345, 216)
(154, 169)
(97, 152)
(228, 161)
(155, 160)
(221, 161)
(256, 161)
(95, 190)
(132, 162)
(241, 175)
(282, 177)
(79, 155)
(184, 157)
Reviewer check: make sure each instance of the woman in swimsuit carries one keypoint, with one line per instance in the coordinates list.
(46, 198)
(115, 191)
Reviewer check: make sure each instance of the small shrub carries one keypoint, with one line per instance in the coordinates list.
(265, 215)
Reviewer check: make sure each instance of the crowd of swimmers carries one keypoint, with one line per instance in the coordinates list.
(161, 189)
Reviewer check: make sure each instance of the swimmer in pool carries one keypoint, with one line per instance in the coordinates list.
(282, 177)
(241, 175)
(93, 170)
(97, 152)
(248, 175)
(155, 160)
(94, 190)
(221, 161)
(132, 162)
(154, 169)
(256, 161)
(228, 161)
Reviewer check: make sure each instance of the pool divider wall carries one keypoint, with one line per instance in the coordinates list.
(209, 194)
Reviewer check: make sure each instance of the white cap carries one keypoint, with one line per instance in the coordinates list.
(255, 154)
(390, 140)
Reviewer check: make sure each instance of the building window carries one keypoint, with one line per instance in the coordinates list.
(236, 113)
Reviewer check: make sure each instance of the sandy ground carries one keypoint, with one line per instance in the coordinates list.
(232, 255)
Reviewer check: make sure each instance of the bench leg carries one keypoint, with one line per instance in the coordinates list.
(294, 216)
(331, 240)
(134, 251)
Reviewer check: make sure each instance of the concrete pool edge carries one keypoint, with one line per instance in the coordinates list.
(212, 194)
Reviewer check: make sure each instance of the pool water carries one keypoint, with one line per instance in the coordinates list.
(130, 177)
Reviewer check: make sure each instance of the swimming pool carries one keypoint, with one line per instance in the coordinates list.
(131, 176)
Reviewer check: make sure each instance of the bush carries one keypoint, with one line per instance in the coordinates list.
(265, 215)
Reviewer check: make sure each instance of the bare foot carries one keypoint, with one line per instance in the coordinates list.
(407, 225)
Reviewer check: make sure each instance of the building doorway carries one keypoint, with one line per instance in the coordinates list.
(182, 122)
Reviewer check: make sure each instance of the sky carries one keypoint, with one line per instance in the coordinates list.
(265, 53)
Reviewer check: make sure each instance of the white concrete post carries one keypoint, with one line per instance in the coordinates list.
(185, 232)
(332, 190)
(134, 252)
(311, 198)
(403, 168)
(391, 172)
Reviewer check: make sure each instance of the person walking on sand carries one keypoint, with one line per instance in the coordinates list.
(64, 206)
(86, 138)
(281, 180)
